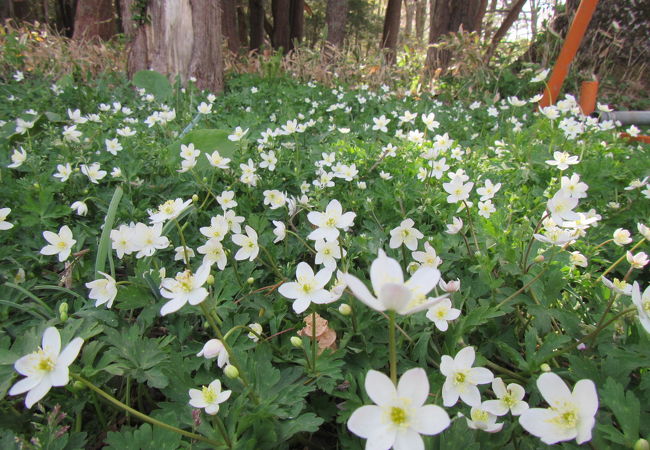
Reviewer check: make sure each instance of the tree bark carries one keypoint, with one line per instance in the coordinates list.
(94, 19)
(449, 16)
(296, 22)
(336, 17)
(409, 9)
(182, 39)
(508, 21)
(256, 17)
(242, 26)
(281, 36)
(391, 30)
(420, 19)
(229, 24)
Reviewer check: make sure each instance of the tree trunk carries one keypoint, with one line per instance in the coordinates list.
(242, 26)
(229, 24)
(296, 22)
(94, 19)
(183, 38)
(336, 16)
(281, 36)
(256, 16)
(409, 9)
(420, 19)
(508, 21)
(534, 12)
(391, 30)
(449, 16)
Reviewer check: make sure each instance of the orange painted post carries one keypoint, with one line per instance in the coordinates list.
(588, 95)
(568, 52)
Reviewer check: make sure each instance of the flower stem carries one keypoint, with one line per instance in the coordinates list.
(222, 429)
(619, 260)
(524, 261)
(140, 415)
(522, 289)
(313, 340)
(392, 349)
(471, 226)
(302, 240)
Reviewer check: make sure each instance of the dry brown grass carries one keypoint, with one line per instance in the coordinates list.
(42, 50)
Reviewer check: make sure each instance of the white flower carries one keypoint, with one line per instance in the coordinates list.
(307, 288)
(428, 257)
(60, 244)
(274, 198)
(645, 231)
(330, 221)
(487, 192)
(169, 210)
(441, 313)
(238, 134)
(486, 208)
(380, 123)
(405, 234)
(637, 261)
(213, 253)
(450, 286)
(268, 160)
(642, 303)
(209, 397)
(18, 157)
(510, 398)
(234, 221)
(562, 160)
(280, 231)
(204, 108)
(218, 161)
(391, 292)
(71, 134)
(93, 172)
(561, 206)
(578, 259)
(183, 254)
(462, 378)
(619, 286)
(248, 243)
(113, 146)
(457, 190)
(214, 348)
(19, 76)
(385, 175)
(571, 415)
(455, 226)
(103, 290)
(636, 184)
(146, 240)
(217, 230)
(46, 367)
(622, 237)
(126, 131)
(540, 76)
(4, 225)
(184, 288)
(63, 172)
(23, 125)
(482, 419)
(327, 252)
(399, 415)
(256, 331)
(574, 187)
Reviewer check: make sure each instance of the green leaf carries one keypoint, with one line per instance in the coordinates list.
(154, 83)
(104, 247)
(207, 140)
(625, 406)
(308, 422)
(143, 438)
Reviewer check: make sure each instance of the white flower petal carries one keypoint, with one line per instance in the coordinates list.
(408, 439)
(380, 388)
(432, 419)
(364, 421)
(37, 393)
(70, 352)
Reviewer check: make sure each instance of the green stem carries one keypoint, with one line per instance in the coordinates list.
(505, 371)
(619, 260)
(184, 244)
(471, 226)
(524, 261)
(392, 349)
(302, 240)
(314, 343)
(522, 289)
(140, 415)
(272, 262)
(222, 429)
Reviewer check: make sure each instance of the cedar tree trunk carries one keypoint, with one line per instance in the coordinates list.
(229, 24)
(256, 17)
(94, 19)
(391, 30)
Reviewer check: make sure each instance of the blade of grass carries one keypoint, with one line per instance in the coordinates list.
(32, 296)
(103, 250)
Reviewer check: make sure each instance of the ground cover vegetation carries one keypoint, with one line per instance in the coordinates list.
(292, 264)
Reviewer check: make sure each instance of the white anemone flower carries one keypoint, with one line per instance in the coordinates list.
(103, 290)
(399, 415)
(307, 288)
(209, 397)
(462, 378)
(442, 313)
(184, 288)
(214, 348)
(571, 415)
(4, 225)
(405, 235)
(330, 221)
(642, 303)
(46, 367)
(60, 243)
(482, 419)
(391, 292)
(248, 243)
(509, 398)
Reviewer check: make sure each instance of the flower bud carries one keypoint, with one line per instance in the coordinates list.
(210, 280)
(539, 258)
(545, 368)
(206, 325)
(78, 386)
(345, 309)
(641, 444)
(63, 311)
(250, 280)
(195, 198)
(296, 341)
(231, 371)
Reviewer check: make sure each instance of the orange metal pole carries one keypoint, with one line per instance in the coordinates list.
(568, 52)
(588, 94)
(640, 138)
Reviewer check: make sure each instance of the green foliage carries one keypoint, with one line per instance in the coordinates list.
(154, 83)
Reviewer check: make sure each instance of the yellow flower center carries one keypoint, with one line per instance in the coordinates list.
(330, 222)
(460, 377)
(61, 244)
(307, 288)
(209, 395)
(167, 207)
(185, 281)
(479, 415)
(398, 415)
(509, 400)
(45, 363)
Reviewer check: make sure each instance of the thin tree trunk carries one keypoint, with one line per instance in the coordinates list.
(94, 19)
(296, 22)
(409, 9)
(508, 21)
(391, 30)
(420, 19)
(229, 24)
(256, 16)
(281, 37)
(242, 26)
